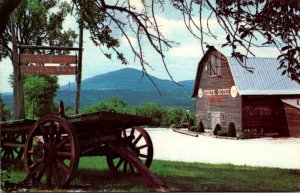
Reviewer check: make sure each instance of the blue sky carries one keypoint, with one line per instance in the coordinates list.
(182, 59)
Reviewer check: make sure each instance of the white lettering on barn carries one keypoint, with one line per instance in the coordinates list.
(214, 92)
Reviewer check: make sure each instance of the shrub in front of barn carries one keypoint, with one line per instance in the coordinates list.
(193, 128)
(216, 129)
(222, 132)
(200, 127)
(231, 130)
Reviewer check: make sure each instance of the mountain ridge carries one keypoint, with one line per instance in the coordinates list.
(127, 79)
(128, 86)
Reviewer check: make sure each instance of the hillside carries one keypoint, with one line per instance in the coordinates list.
(128, 85)
(125, 79)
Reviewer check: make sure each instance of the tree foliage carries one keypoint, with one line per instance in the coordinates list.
(40, 91)
(34, 22)
(249, 24)
(161, 116)
(4, 111)
(114, 104)
(37, 23)
(153, 110)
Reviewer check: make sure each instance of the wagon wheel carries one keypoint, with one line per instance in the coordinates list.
(12, 146)
(51, 151)
(140, 142)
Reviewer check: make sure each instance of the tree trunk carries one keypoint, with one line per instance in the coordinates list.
(78, 77)
(19, 110)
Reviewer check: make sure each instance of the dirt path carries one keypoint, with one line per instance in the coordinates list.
(270, 152)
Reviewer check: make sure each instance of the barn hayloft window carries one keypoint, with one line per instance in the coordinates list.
(215, 65)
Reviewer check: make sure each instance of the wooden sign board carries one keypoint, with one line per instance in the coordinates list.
(46, 58)
(61, 70)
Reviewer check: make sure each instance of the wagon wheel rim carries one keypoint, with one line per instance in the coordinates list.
(51, 151)
(11, 153)
(140, 142)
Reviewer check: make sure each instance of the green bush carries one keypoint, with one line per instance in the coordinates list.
(231, 130)
(4, 111)
(173, 126)
(161, 116)
(113, 104)
(222, 132)
(194, 128)
(216, 129)
(200, 127)
(175, 116)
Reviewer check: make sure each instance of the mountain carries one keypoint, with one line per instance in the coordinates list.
(128, 84)
(126, 79)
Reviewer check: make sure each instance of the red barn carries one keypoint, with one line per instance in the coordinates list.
(251, 95)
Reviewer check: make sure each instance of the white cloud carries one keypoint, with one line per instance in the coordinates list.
(6, 69)
(132, 39)
(186, 51)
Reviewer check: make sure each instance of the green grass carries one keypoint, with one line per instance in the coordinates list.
(93, 175)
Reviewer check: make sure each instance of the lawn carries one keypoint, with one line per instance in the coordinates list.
(93, 175)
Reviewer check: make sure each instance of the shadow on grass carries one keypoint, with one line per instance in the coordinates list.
(93, 175)
(104, 180)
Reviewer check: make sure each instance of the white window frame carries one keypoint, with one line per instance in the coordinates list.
(215, 66)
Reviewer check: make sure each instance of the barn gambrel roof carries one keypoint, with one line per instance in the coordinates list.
(264, 79)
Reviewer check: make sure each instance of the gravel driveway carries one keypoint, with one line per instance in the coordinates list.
(270, 152)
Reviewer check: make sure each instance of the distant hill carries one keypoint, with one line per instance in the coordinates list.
(126, 79)
(129, 85)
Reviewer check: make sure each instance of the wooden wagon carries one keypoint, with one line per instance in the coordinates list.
(52, 145)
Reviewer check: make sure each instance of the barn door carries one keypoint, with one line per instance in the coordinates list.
(215, 119)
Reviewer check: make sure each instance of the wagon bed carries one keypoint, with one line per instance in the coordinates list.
(52, 140)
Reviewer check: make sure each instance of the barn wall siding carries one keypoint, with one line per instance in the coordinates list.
(292, 115)
(264, 113)
(208, 108)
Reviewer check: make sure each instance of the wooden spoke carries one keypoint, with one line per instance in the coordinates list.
(30, 152)
(119, 163)
(131, 169)
(44, 133)
(140, 144)
(142, 155)
(58, 135)
(62, 165)
(62, 143)
(46, 158)
(125, 167)
(11, 146)
(132, 132)
(143, 146)
(55, 171)
(37, 140)
(137, 139)
(34, 165)
(49, 176)
(51, 132)
(63, 154)
(124, 133)
(41, 171)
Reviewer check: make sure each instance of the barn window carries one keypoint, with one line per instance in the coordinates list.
(223, 117)
(215, 65)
